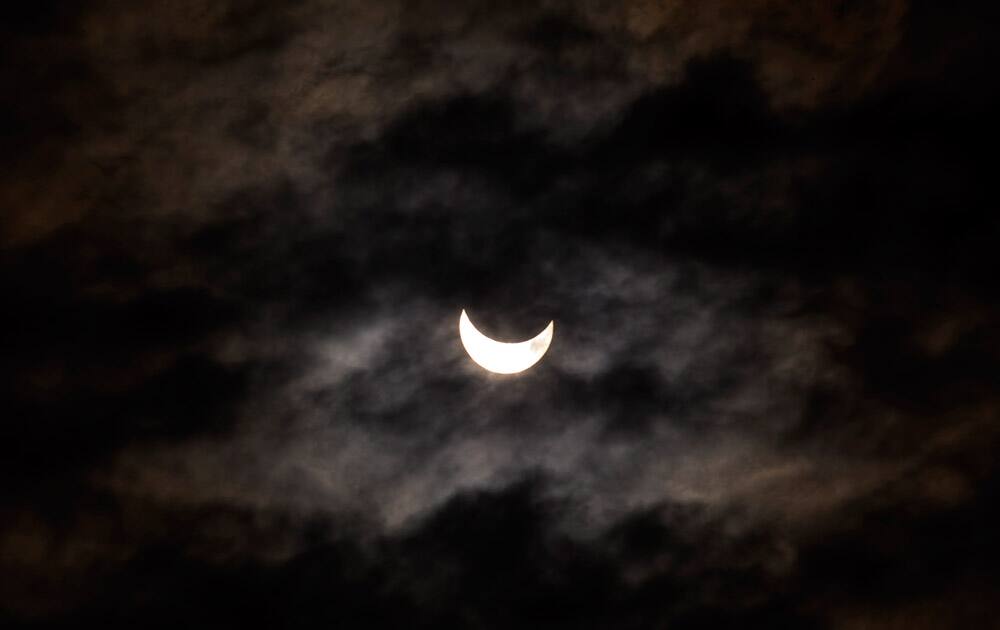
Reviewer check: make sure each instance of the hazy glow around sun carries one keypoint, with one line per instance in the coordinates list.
(500, 357)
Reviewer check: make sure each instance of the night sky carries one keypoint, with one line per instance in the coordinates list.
(236, 237)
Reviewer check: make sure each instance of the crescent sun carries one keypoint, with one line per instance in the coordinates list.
(500, 357)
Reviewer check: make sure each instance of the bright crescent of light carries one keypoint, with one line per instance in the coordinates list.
(499, 357)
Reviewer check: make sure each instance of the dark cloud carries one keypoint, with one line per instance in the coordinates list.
(237, 239)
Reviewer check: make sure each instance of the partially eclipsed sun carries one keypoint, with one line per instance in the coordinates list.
(500, 357)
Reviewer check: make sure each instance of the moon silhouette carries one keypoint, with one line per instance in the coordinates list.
(500, 357)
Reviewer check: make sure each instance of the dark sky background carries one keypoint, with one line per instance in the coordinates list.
(236, 238)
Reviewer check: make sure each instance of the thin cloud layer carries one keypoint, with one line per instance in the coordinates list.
(238, 239)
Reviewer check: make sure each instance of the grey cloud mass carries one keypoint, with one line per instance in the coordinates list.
(237, 237)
